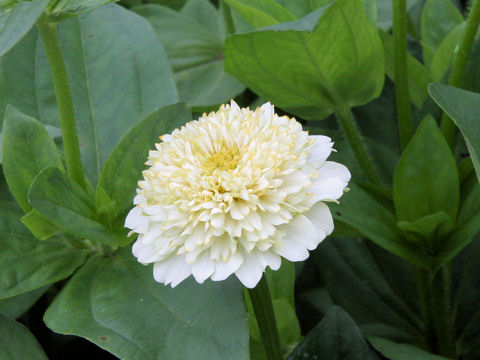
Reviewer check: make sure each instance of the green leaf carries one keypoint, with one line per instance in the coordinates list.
(317, 79)
(124, 167)
(444, 55)
(16, 306)
(16, 342)
(27, 264)
(439, 17)
(59, 10)
(462, 107)
(112, 90)
(417, 73)
(382, 285)
(16, 20)
(38, 225)
(194, 42)
(300, 8)
(374, 221)
(395, 351)
(27, 149)
(426, 179)
(67, 206)
(260, 13)
(152, 321)
(336, 337)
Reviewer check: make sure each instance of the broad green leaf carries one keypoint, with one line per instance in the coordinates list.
(16, 306)
(418, 76)
(300, 8)
(260, 13)
(445, 53)
(340, 49)
(62, 9)
(462, 107)
(27, 149)
(67, 206)
(382, 285)
(395, 351)
(123, 168)
(112, 90)
(152, 321)
(194, 41)
(439, 17)
(336, 337)
(16, 20)
(39, 225)
(16, 342)
(426, 178)
(27, 264)
(374, 221)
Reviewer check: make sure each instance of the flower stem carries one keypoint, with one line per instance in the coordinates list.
(347, 123)
(227, 17)
(404, 114)
(459, 64)
(263, 307)
(51, 43)
(434, 294)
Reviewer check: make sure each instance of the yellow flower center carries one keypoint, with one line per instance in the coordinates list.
(225, 159)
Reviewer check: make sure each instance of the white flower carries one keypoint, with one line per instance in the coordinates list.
(233, 192)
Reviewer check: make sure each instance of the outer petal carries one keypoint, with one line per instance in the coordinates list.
(203, 267)
(136, 221)
(333, 169)
(320, 150)
(171, 271)
(321, 218)
(251, 270)
(224, 269)
(300, 235)
(334, 177)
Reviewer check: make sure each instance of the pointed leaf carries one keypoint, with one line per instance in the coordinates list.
(462, 107)
(194, 42)
(67, 206)
(395, 351)
(27, 149)
(39, 225)
(152, 321)
(340, 49)
(27, 264)
(336, 337)
(16, 20)
(426, 178)
(16, 306)
(123, 168)
(16, 342)
(260, 13)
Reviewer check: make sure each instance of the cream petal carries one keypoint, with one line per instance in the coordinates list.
(270, 259)
(203, 267)
(329, 189)
(171, 271)
(224, 269)
(336, 170)
(321, 218)
(136, 221)
(300, 235)
(250, 272)
(320, 150)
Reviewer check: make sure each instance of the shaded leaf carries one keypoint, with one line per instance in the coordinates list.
(462, 107)
(27, 149)
(16, 20)
(260, 13)
(16, 342)
(16, 306)
(27, 264)
(152, 321)
(395, 351)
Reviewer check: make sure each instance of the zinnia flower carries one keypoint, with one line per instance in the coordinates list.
(232, 193)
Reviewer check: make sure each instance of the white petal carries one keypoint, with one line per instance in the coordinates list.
(268, 109)
(321, 218)
(171, 271)
(203, 267)
(224, 269)
(329, 189)
(320, 150)
(336, 170)
(300, 235)
(250, 272)
(136, 221)
(269, 258)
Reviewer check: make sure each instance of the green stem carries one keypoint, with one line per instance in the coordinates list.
(227, 17)
(459, 64)
(404, 114)
(434, 294)
(263, 307)
(51, 43)
(347, 123)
